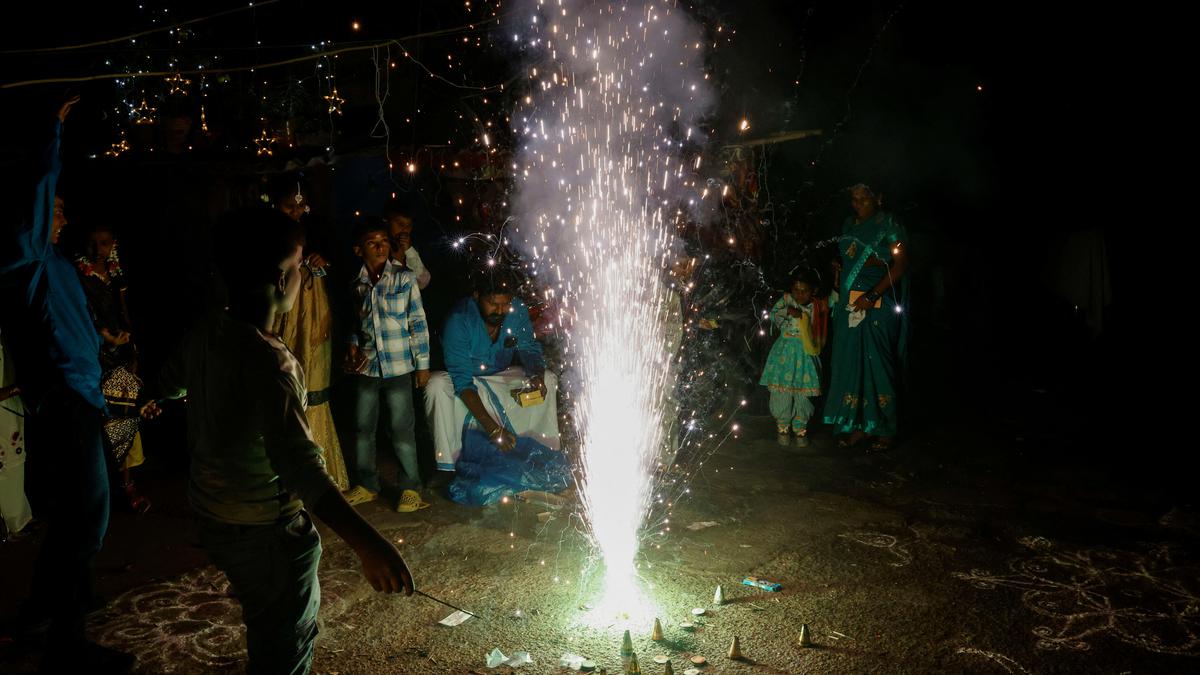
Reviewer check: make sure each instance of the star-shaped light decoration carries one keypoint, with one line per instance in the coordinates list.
(178, 84)
(143, 114)
(118, 148)
(264, 143)
(335, 102)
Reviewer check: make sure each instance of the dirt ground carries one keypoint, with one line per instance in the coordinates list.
(896, 563)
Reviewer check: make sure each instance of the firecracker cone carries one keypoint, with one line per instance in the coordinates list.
(626, 645)
(718, 596)
(634, 668)
(735, 649)
(805, 638)
(657, 633)
(667, 669)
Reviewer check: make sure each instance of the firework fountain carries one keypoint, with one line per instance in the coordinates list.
(607, 150)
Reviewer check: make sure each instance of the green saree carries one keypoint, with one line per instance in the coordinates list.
(868, 359)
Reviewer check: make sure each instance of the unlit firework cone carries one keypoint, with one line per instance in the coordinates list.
(718, 596)
(668, 670)
(735, 649)
(626, 650)
(634, 668)
(657, 633)
(805, 639)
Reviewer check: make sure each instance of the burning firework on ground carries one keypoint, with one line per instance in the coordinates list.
(607, 139)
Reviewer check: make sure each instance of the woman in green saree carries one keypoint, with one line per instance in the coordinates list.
(870, 324)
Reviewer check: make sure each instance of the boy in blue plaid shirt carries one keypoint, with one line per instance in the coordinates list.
(388, 353)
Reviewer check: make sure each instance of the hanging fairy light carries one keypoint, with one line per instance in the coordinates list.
(177, 84)
(118, 148)
(264, 143)
(335, 102)
(143, 114)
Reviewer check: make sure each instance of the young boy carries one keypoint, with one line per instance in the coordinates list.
(388, 353)
(254, 466)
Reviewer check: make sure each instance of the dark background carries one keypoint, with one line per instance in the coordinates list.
(996, 130)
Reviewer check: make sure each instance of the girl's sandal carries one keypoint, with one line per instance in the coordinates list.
(137, 501)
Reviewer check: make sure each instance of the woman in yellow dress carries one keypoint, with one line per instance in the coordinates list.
(307, 331)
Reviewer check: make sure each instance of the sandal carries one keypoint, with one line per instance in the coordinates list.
(137, 501)
(410, 500)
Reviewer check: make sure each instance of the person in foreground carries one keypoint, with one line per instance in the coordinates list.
(255, 470)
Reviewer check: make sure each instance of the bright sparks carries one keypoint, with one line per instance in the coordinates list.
(603, 168)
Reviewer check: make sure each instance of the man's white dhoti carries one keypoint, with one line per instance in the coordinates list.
(447, 412)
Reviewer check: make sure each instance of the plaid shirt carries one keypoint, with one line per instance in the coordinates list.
(392, 332)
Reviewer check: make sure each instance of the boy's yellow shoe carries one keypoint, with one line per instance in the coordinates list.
(410, 501)
(360, 495)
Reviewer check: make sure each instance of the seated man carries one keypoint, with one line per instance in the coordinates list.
(483, 334)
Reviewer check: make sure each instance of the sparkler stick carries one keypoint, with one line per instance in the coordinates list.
(448, 604)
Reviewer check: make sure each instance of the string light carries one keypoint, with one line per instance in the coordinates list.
(143, 114)
(335, 102)
(264, 143)
(118, 148)
(177, 84)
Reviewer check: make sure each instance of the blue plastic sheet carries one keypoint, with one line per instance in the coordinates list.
(484, 474)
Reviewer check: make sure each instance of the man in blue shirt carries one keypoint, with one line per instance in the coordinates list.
(486, 335)
(56, 351)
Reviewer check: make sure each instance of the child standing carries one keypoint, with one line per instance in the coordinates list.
(793, 371)
(388, 354)
(256, 472)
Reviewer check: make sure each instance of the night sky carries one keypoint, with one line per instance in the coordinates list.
(985, 124)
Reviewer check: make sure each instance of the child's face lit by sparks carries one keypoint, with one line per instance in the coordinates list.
(374, 248)
(292, 207)
(802, 293)
(100, 245)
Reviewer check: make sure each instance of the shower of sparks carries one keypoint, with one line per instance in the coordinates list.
(605, 167)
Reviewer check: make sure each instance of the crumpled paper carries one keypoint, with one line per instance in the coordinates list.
(497, 659)
(455, 619)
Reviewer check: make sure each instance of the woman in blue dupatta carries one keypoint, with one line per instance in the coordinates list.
(870, 324)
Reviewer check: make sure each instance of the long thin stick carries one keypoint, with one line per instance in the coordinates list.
(448, 604)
